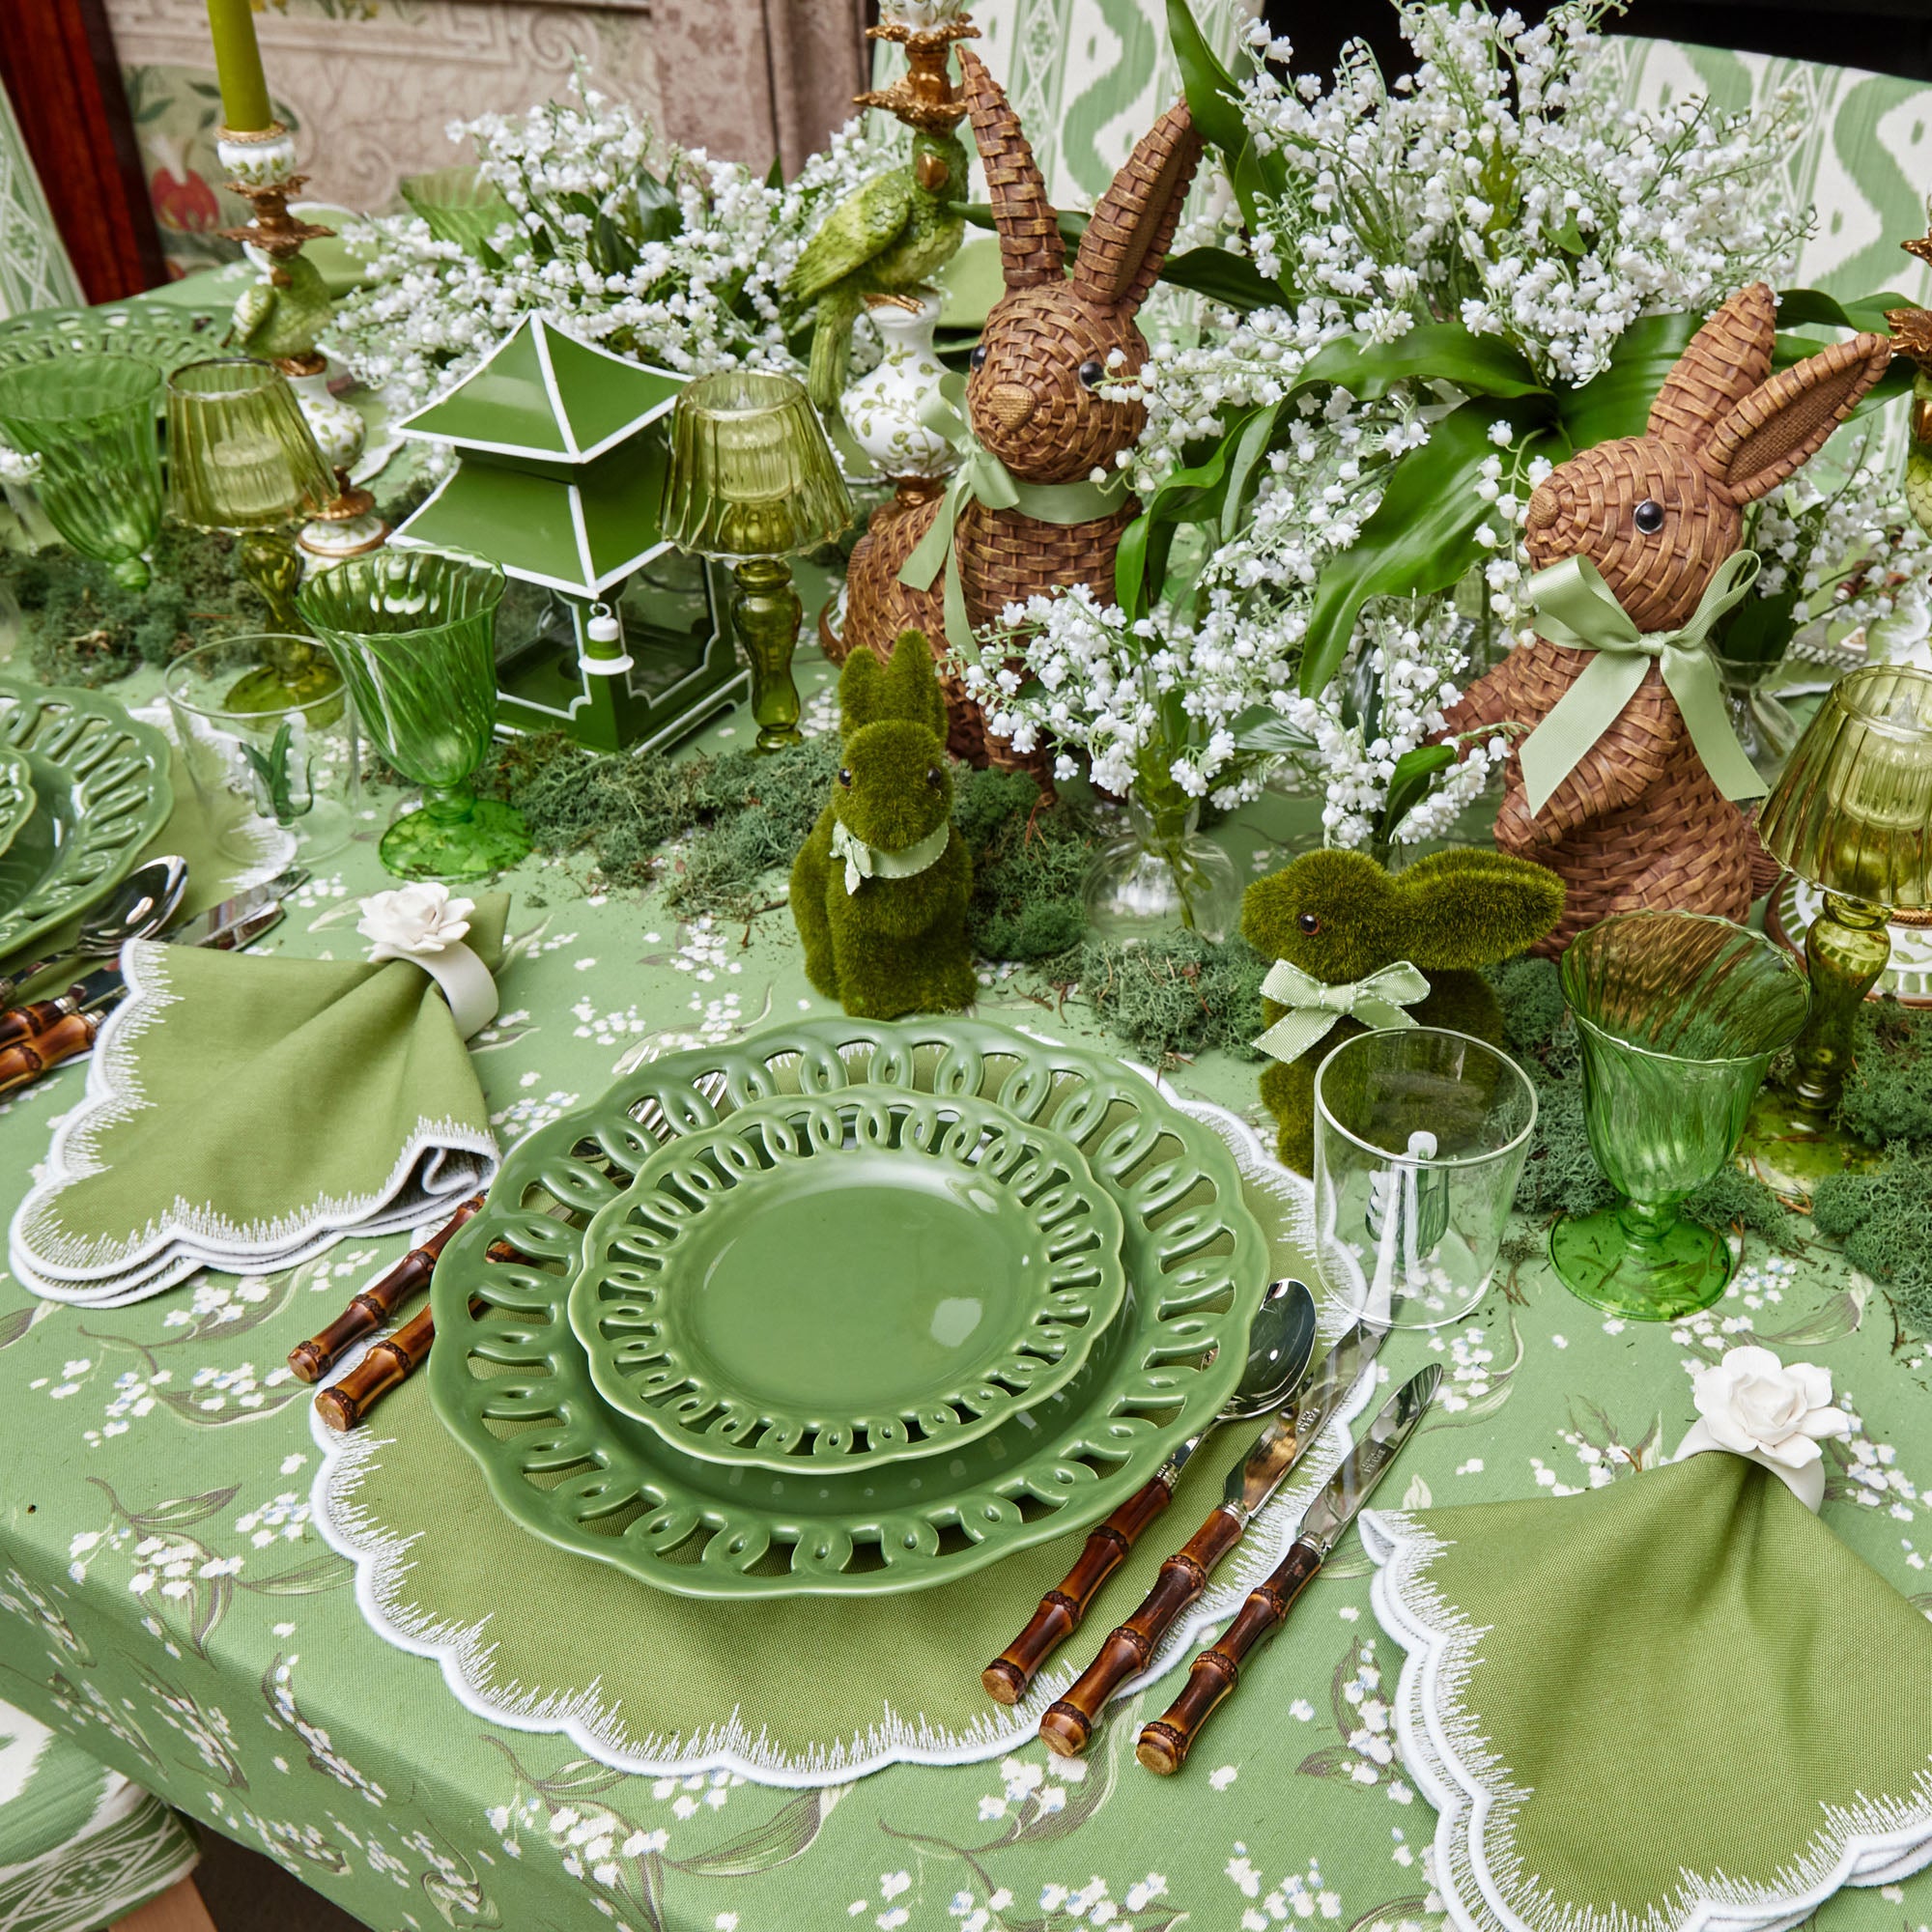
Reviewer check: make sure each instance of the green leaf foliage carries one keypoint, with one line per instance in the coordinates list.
(1444, 352)
(1422, 537)
(1231, 280)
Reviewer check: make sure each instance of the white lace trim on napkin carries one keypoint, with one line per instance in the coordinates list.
(442, 1161)
(1478, 1873)
(595, 1724)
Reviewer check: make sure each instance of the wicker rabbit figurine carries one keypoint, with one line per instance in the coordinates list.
(1640, 821)
(880, 886)
(1032, 403)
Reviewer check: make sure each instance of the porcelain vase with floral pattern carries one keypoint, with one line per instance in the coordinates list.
(882, 408)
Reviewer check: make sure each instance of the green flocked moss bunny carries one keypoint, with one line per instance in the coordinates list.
(879, 889)
(1356, 947)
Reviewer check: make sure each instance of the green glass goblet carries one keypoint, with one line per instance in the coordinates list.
(1678, 1015)
(91, 421)
(414, 633)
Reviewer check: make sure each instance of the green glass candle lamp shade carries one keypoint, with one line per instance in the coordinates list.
(91, 421)
(414, 633)
(1678, 1015)
(242, 456)
(752, 481)
(1853, 814)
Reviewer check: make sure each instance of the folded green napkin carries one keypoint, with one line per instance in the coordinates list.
(244, 1112)
(1674, 1703)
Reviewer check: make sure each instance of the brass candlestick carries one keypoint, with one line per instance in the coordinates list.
(278, 320)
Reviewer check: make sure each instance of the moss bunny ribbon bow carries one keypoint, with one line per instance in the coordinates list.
(982, 478)
(1574, 607)
(864, 861)
(1377, 1001)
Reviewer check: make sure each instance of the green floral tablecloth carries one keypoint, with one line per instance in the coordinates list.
(165, 1597)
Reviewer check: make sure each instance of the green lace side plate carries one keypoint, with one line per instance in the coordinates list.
(17, 796)
(101, 792)
(510, 1380)
(838, 1280)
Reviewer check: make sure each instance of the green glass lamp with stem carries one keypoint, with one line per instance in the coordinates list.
(1851, 813)
(752, 482)
(242, 458)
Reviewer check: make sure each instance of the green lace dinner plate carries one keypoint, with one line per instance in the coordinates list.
(166, 335)
(101, 791)
(847, 1279)
(17, 796)
(510, 1380)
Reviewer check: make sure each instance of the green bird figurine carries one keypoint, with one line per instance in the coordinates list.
(279, 317)
(887, 237)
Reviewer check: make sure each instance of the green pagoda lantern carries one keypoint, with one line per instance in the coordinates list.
(561, 454)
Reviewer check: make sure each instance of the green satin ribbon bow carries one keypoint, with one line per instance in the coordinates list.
(864, 861)
(982, 478)
(1377, 1001)
(1574, 607)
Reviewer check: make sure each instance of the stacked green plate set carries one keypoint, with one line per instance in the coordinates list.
(83, 788)
(845, 1308)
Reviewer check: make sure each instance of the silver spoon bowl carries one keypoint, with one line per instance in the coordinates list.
(1281, 1338)
(143, 903)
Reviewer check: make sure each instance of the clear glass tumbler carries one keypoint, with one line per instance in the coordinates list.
(1420, 1138)
(298, 765)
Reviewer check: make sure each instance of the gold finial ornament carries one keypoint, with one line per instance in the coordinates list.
(924, 95)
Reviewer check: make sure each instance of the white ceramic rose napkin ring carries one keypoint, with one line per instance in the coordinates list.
(1752, 1405)
(424, 926)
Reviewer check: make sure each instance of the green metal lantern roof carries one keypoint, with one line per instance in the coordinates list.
(578, 530)
(542, 393)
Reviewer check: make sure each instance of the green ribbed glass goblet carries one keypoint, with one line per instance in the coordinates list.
(414, 633)
(91, 421)
(1678, 1014)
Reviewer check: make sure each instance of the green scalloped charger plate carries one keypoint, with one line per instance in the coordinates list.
(840, 1280)
(101, 789)
(511, 1382)
(17, 795)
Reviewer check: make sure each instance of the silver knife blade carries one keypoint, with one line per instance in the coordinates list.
(1367, 1461)
(106, 986)
(203, 926)
(1284, 1440)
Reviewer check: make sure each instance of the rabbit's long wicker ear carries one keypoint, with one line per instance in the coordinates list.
(1126, 243)
(1724, 361)
(1785, 422)
(1031, 251)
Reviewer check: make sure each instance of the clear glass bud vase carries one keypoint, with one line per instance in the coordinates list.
(1163, 877)
(1765, 728)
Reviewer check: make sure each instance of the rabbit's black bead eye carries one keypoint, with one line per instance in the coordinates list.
(1090, 371)
(932, 777)
(1648, 517)
(1308, 922)
(977, 358)
(844, 776)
